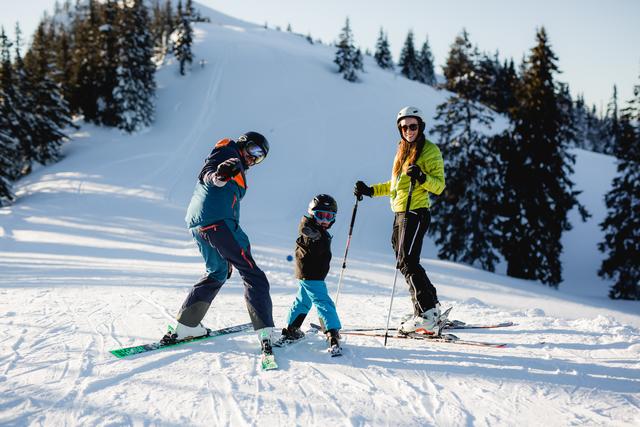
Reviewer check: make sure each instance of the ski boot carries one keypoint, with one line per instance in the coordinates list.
(183, 332)
(290, 334)
(333, 341)
(428, 323)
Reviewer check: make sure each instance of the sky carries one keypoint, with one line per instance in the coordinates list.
(597, 42)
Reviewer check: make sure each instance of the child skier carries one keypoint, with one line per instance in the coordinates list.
(313, 255)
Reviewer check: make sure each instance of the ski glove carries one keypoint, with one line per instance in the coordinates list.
(228, 169)
(362, 189)
(416, 173)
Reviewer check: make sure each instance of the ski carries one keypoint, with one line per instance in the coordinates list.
(267, 359)
(457, 324)
(268, 362)
(451, 324)
(443, 338)
(121, 353)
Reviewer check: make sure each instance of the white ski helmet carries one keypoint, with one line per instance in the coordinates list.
(410, 112)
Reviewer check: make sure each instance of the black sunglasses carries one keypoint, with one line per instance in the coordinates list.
(412, 127)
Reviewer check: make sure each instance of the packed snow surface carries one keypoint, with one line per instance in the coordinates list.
(95, 256)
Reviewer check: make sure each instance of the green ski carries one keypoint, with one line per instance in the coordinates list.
(268, 362)
(121, 353)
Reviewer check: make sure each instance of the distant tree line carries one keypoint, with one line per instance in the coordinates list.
(95, 60)
(509, 194)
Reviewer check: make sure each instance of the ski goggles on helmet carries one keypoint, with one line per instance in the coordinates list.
(326, 216)
(255, 151)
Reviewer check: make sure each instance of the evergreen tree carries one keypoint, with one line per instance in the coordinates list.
(9, 145)
(383, 54)
(346, 54)
(135, 89)
(86, 60)
(358, 63)
(20, 92)
(622, 225)
(189, 11)
(460, 68)
(183, 39)
(408, 62)
(594, 131)
(466, 220)
(580, 120)
(506, 87)
(610, 131)
(426, 65)
(8, 156)
(106, 73)
(488, 73)
(62, 48)
(49, 109)
(157, 26)
(168, 27)
(538, 190)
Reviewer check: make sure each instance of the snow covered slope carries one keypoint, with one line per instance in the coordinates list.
(94, 256)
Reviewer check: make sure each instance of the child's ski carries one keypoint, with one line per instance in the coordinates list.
(144, 348)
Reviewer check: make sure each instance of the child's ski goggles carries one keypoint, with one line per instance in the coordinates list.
(324, 215)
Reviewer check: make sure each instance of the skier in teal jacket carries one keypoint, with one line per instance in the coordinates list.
(213, 218)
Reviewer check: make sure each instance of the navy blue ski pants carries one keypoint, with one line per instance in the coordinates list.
(221, 244)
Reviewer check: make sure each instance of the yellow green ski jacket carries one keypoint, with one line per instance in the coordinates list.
(431, 163)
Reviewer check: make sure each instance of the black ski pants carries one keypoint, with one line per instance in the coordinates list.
(423, 293)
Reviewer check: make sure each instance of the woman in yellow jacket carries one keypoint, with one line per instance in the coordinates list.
(419, 159)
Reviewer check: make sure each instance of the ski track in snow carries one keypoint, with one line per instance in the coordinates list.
(94, 257)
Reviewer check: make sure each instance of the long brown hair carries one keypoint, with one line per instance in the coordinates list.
(407, 154)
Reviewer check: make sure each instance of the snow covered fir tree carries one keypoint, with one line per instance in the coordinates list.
(347, 58)
(183, 39)
(408, 62)
(383, 53)
(50, 109)
(622, 225)
(466, 216)
(538, 191)
(426, 66)
(135, 88)
(460, 65)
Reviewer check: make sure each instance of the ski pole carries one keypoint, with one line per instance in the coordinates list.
(346, 250)
(400, 248)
